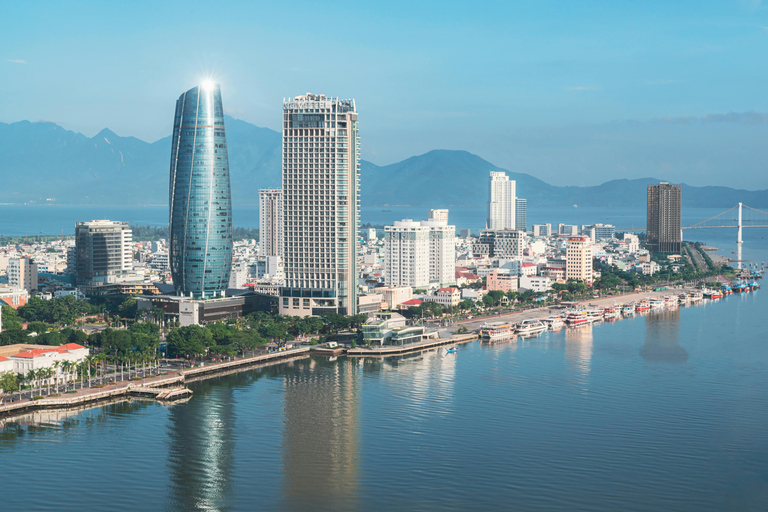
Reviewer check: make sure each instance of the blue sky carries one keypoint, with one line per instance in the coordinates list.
(493, 78)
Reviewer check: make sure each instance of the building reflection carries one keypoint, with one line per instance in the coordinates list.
(662, 338)
(320, 434)
(201, 445)
(578, 350)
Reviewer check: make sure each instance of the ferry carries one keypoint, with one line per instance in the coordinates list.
(531, 327)
(642, 305)
(496, 330)
(554, 323)
(683, 298)
(577, 317)
(628, 309)
(670, 301)
(656, 302)
(612, 312)
(697, 297)
(594, 315)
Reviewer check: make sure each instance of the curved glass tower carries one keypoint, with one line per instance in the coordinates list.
(200, 225)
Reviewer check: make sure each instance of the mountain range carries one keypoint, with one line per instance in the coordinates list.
(42, 161)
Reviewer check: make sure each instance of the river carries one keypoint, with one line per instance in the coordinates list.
(667, 411)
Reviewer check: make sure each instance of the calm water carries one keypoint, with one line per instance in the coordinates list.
(663, 412)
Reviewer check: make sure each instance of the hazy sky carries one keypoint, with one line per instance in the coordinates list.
(493, 78)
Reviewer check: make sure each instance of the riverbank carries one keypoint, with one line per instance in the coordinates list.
(149, 387)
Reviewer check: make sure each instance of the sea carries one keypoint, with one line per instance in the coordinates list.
(666, 411)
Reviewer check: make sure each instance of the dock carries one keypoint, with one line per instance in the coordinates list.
(411, 347)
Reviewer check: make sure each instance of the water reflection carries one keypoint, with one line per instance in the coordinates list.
(201, 441)
(320, 434)
(662, 338)
(578, 350)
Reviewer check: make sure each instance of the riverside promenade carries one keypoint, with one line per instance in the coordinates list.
(153, 386)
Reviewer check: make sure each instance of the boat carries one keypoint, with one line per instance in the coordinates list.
(670, 301)
(594, 315)
(576, 317)
(753, 285)
(656, 302)
(628, 309)
(531, 327)
(725, 289)
(553, 323)
(612, 312)
(497, 330)
(741, 288)
(642, 305)
(452, 350)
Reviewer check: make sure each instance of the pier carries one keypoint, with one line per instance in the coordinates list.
(412, 347)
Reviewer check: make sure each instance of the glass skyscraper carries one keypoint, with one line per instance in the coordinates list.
(200, 225)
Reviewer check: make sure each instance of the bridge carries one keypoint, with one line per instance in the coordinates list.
(754, 218)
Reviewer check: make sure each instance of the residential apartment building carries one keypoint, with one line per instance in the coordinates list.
(22, 273)
(104, 252)
(271, 226)
(663, 227)
(537, 284)
(503, 281)
(567, 229)
(406, 254)
(521, 214)
(439, 215)
(578, 259)
(542, 230)
(506, 243)
(501, 201)
(321, 187)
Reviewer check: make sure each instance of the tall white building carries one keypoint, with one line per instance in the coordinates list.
(419, 253)
(406, 254)
(103, 251)
(271, 222)
(578, 259)
(501, 202)
(321, 184)
(22, 273)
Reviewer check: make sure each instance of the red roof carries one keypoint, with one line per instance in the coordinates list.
(412, 302)
(4, 358)
(528, 264)
(448, 290)
(71, 346)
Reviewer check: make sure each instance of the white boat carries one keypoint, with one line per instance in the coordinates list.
(553, 323)
(497, 330)
(670, 301)
(576, 317)
(594, 315)
(628, 309)
(531, 327)
(612, 312)
(656, 302)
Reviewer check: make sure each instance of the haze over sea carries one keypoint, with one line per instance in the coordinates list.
(660, 412)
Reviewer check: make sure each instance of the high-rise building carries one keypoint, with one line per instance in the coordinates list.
(22, 273)
(542, 229)
(521, 214)
(419, 253)
(506, 243)
(103, 252)
(321, 187)
(200, 227)
(501, 202)
(271, 222)
(441, 215)
(578, 259)
(663, 228)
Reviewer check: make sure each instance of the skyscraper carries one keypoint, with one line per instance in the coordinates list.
(578, 259)
(501, 202)
(521, 214)
(663, 228)
(200, 224)
(321, 184)
(271, 222)
(103, 252)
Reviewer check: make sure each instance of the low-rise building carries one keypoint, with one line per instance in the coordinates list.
(502, 281)
(537, 284)
(446, 297)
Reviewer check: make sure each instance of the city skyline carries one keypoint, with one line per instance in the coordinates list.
(567, 93)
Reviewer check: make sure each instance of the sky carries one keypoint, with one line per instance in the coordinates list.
(570, 92)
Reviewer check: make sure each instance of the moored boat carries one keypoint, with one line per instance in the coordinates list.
(553, 323)
(497, 330)
(576, 317)
(531, 327)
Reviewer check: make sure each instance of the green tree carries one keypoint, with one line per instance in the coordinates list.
(9, 383)
(190, 341)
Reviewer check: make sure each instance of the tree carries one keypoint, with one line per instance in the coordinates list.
(9, 383)
(11, 320)
(466, 304)
(189, 341)
(488, 301)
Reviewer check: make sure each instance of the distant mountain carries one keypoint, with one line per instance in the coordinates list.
(43, 160)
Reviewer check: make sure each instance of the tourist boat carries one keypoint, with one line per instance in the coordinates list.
(670, 301)
(594, 315)
(497, 330)
(656, 302)
(554, 323)
(628, 309)
(577, 317)
(683, 298)
(642, 305)
(531, 327)
(696, 296)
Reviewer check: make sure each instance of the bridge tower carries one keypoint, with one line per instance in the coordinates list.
(739, 239)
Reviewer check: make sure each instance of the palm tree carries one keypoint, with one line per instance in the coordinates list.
(31, 377)
(90, 359)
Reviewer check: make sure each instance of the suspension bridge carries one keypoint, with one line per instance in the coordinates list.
(732, 218)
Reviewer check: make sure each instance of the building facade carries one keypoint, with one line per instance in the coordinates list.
(578, 259)
(501, 201)
(103, 252)
(663, 228)
(542, 229)
(271, 222)
(406, 254)
(506, 243)
(321, 189)
(22, 273)
(502, 281)
(439, 215)
(521, 214)
(200, 225)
